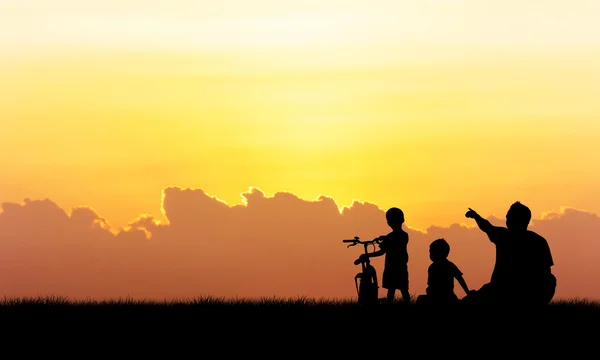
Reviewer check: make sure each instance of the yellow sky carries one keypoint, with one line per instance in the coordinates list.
(425, 106)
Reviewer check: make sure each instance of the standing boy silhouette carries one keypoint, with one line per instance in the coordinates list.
(395, 247)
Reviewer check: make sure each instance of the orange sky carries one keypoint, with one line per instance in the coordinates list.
(433, 107)
(281, 246)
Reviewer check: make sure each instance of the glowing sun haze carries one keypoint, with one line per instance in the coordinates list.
(433, 106)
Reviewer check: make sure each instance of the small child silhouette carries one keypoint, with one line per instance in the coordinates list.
(394, 245)
(441, 275)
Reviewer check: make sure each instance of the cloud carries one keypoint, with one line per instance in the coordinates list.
(267, 245)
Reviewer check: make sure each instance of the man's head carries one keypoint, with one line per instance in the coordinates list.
(518, 217)
(395, 218)
(439, 249)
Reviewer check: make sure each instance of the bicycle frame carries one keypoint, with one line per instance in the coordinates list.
(368, 289)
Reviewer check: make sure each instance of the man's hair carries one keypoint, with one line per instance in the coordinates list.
(440, 246)
(394, 215)
(521, 213)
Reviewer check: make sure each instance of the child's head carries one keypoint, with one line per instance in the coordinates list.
(395, 218)
(439, 250)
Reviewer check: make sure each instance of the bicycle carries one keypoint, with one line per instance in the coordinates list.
(368, 289)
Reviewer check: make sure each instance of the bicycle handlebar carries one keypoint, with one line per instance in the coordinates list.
(357, 241)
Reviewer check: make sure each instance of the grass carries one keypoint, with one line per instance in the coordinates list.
(54, 302)
(300, 322)
(210, 301)
(303, 309)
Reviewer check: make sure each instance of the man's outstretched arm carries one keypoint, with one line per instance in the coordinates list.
(483, 224)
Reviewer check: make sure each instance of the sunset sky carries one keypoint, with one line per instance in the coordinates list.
(433, 106)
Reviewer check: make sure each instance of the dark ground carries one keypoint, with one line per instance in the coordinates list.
(296, 328)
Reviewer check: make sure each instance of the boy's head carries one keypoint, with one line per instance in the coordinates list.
(518, 217)
(395, 218)
(439, 250)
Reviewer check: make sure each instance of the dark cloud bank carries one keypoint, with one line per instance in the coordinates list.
(270, 246)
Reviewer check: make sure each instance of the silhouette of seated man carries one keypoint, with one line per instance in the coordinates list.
(441, 275)
(522, 273)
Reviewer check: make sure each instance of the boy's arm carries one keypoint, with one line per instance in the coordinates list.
(379, 252)
(373, 254)
(376, 253)
(382, 247)
(463, 283)
(363, 257)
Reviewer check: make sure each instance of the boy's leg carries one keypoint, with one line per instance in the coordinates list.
(404, 288)
(405, 295)
(391, 294)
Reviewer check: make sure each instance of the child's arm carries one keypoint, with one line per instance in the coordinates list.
(382, 246)
(379, 252)
(463, 283)
(363, 257)
(373, 254)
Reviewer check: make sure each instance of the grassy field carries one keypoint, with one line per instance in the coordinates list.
(302, 323)
(50, 305)
(215, 310)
